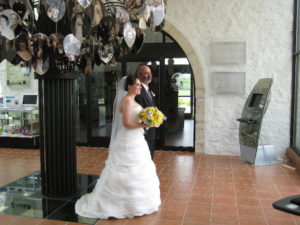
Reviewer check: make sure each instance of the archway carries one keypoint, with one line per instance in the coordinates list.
(199, 84)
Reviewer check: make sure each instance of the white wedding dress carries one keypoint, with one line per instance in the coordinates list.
(128, 185)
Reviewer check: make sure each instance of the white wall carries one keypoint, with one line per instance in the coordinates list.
(266, 28)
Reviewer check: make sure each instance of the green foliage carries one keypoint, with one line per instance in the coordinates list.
(183, 102)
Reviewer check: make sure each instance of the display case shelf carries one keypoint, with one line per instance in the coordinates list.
(19, 127)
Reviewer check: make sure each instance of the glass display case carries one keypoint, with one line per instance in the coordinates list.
(19, 127)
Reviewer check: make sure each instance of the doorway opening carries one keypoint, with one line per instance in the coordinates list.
(172, 84)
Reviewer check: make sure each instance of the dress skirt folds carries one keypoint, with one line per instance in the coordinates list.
(128, 185)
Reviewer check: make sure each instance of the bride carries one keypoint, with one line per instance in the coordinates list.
(128, 185)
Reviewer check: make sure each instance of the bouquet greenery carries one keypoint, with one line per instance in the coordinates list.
(151, 116)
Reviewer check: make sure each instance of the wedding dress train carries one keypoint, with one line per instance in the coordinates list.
(128, 185)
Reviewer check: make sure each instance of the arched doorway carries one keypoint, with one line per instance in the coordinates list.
(196, 60)
(173, 84)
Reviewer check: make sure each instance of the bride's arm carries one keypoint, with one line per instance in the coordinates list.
(126, 108)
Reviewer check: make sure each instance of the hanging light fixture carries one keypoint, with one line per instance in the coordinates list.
(80, 32)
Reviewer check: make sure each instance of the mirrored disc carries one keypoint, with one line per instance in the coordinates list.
(142, 24)
(23, 8)
(81, 26)
(55, 9)
(22, 47)
(129, 34)
(71, 46)
(122, 15)
(107, 52)
(146, 12)
(8, 22)
(158, 13)
(42, 66)
(84, 3)
(139, 41)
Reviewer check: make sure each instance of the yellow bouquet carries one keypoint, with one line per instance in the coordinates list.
(151, 116)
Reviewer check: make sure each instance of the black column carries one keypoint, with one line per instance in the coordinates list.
(57, 134)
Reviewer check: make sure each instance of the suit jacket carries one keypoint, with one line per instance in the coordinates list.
(145, 101)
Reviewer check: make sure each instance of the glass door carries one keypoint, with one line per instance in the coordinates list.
(96, 93)
(81, 113)
(103, 84)
(179, 100)
(173, 87)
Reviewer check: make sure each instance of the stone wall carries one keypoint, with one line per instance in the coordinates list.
(266, 29)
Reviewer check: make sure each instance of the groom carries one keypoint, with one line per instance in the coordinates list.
(145, 99)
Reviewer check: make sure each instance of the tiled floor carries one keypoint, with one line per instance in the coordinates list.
(195, 188)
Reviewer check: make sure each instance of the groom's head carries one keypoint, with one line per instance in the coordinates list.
(144, 74)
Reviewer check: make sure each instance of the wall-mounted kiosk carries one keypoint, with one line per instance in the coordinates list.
(250, 125)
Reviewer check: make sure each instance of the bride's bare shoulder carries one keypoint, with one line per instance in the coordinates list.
(126, 101)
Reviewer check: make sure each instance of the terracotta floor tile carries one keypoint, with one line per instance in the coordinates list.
(173, 204)
(140, 221)
(174, 215)
(178, 197)
(243, 180)
(287, 194)
(274, 213)
(195, 223)
(196, 189)
(223, 192)
(26, 221)
(296, 219)
(7, 219)
(268, 195)
(223, 200)
(246, 194)
(224, 210)
(194, 217)
(287, 188)
(265, 187)
(252, 220)
(225, 220)
(242, 201)
(250, 211)
(200, 199)
(53, 222)
(167, 222)
(267, 203)
(281, 221)
(112, 222)
(200, 208)
(223, 180)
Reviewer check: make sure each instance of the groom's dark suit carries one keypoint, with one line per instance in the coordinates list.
(146, 101)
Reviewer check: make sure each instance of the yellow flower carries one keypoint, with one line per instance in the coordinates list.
(152, 116)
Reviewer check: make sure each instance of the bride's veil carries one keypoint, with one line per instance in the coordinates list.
(117, 119)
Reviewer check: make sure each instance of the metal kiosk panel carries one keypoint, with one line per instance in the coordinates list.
(251, 119)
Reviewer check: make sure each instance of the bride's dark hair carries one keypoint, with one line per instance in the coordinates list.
(130, 80)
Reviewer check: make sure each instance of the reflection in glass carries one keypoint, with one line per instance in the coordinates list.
(81, 109)
(23, 198)
(103, 84)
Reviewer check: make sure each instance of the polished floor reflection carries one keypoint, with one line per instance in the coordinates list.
(23, 198)
(196, 189)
